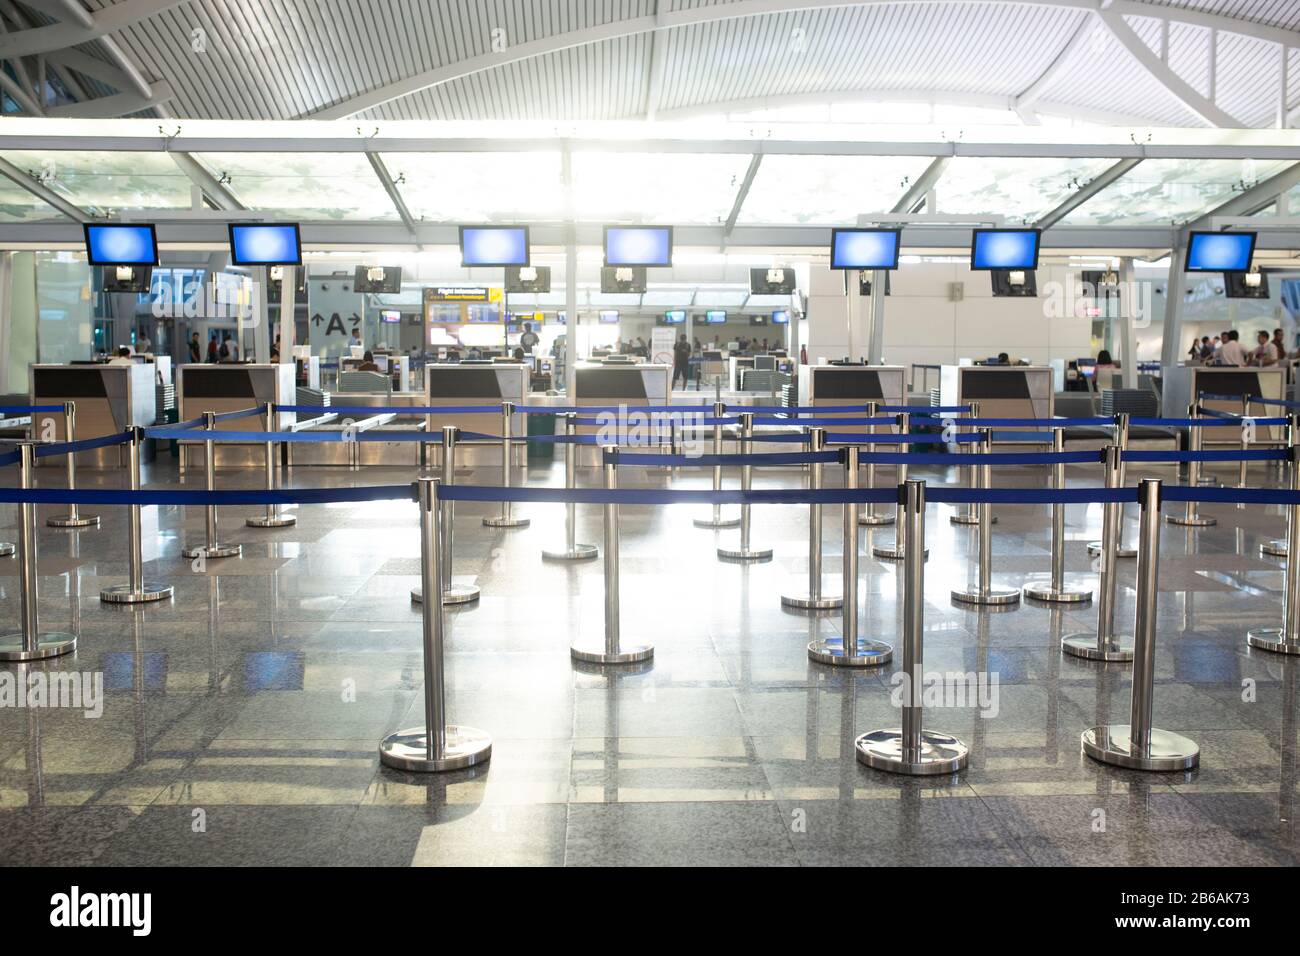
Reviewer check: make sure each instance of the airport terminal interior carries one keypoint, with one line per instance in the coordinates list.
(649, 433)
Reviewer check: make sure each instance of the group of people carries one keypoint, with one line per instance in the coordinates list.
(225, 351)
(1227, 349)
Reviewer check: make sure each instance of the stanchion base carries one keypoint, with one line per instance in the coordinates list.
(1272, 639)
(883, 750)
(279, 521)
(123, 594)
(48, 644)
(893, 554)
(506, 522)
(868, 653)
(594, 652)
(1277, 549)
(1051, 595)
(1119, 650)
(806, 602)
(875, 521)
(1199, 521)
(969, 519)
(6, 549)
(216, 551)
(456, 594)
(1110, 744)
(991, 596)
(720, 523)
(745, 557)
(1094, 551)
(409, 750)
(580, 552)
(67, 521)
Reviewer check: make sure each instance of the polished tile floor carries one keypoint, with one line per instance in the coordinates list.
(241, 718)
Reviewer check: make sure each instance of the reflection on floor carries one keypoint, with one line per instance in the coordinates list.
(240, 720)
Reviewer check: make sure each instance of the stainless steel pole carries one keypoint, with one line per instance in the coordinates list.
(745, 552)
(814, 600)
(969, 515)
(1056, 592)
(1105, 645)
(899, 550)
(211, 547)
(1138, 745)
(136, 590)
(74, 518)
(572, 551)
(29, 644)
(1121, 440)
(507, 518)
(717, 521)
(1278, 547)
(984, 592)
(438, 745)
(869, 517)
(1191, 517)
(1286, 639)
(273, 518)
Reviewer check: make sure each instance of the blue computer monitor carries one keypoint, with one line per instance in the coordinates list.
(1219, 251)
(265, 244)
(865, 248)
(1004, 249)
(781, 317)
(638, 245)
(675, 316)
(609, 316)
(114, 245)
(494, 245)
(715, 316)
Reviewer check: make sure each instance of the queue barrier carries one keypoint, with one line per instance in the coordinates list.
(1253, 399)
(17, 410)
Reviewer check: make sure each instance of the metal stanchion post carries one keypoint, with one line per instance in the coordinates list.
(849, 650)
(899, 550)
(970, 515)
(1121, 440)
(30, 644)
(984, 592)
(1245, 445)
(211, 548)
(1286, 639)
(717, 521)
(814, 600)
(1278, 548)
(437, 745)
(136, 590)
(1138, 745)
(273, 517)
(869, 517)
(610, 650)
(745, 552)
(910, 749)
(1105, 645)
(1190, 517)
(572, 551)
(451, 593)
(73, 519)
(507, 518)
(1056, 592)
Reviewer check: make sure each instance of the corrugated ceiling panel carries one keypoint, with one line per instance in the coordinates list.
(1274, 13)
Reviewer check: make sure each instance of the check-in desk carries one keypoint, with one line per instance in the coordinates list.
(831, 386)
(463, 384)
(228, 388)
(597, 384)
(367, 452)
(1183, 383)
(1002, 391)
(109, 400)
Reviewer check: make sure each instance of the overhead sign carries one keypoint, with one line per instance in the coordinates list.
(461, 293)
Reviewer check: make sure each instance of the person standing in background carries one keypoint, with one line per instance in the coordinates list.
(196, 349)
(1231, 352)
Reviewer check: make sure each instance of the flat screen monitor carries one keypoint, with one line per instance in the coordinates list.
(114, 245)
(865, 248)
(675, 317)
(128, 279)
(712, 355)
(775, 281)
(609, 316)
(715, 316)
(1004, 248)
(390, 316)
(781, 317)
(622, 279)
(494, 245)
(1219, 251)
(386, 280)
(528, 279)
(1239, 285)
(638, 245)
(265, 244)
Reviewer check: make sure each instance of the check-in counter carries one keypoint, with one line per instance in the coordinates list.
(109, 400)
(1183, 383)
(367, 452)
(463, 384)
(597, 384)
(736, 366)
(831, 386)
(1002, 391)
(228, 388)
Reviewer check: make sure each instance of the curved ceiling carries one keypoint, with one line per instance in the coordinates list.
(1224, 63)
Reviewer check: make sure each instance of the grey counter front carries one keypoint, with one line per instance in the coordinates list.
(232, 387)
(1182, 384)
(829, 386)
(460, 384)
(109, 399)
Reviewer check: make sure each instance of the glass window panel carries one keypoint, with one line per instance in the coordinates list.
(479, 187)
(656, 187)
(1169, 191)
(829, 190)
(106, 182)
(303, 186)
(18, 205)
(1021, 189)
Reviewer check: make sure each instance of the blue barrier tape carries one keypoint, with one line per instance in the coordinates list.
(580, 409)
(1235, 454)
(935, 494)
(1034, 422)
(981, 458)
(84, 444)
(1037, 438)
(1249, 496)
(317, 410)
(163, 496)
(192, 423)
(954, 494)
(1281, 402)
(28, 409)
(557, 439)
(924, 409)
(1203, 422)
(326, 436)
(772, 458)
(11, 458)
(812, 422)
(241, 413)
(856, 438)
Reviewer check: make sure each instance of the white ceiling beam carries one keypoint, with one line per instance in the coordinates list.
(111, 107)
(754, 162)
(655, 83)
(59, 36)
(742, 9)
(1159, 71)
(1034, 92)
(220, 196)
(78, 13)
(43, 192)
(1252, 200)
(921, 188)
(1086, 192)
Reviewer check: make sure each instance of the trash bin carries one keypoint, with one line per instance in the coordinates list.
(541, 425)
